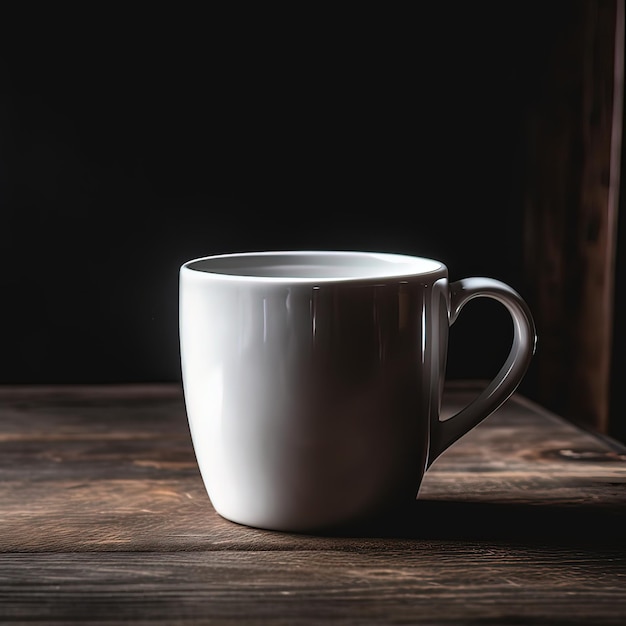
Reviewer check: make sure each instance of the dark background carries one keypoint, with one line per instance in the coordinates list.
(132, 143)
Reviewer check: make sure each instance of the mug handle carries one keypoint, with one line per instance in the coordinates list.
(445, 432)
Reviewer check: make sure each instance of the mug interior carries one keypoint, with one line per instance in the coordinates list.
(314, 265)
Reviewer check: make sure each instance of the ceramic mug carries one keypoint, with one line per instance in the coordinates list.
(313, 380)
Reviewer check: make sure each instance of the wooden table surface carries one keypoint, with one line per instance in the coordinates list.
(104, 519)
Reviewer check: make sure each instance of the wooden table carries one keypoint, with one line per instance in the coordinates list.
(104, 519)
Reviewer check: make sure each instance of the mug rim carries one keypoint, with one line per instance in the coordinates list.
(380, 265)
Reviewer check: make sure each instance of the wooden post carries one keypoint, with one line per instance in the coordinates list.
(575, 129)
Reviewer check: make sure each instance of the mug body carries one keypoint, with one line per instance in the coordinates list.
(311, 380)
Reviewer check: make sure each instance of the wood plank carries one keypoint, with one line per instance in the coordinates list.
(571, 209)
(617, 425)
(433, 583)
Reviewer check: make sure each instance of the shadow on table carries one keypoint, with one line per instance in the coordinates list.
(430, 519)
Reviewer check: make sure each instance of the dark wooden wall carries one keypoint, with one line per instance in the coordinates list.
(572, 214)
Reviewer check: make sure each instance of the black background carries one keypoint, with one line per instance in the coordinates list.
(134, 142)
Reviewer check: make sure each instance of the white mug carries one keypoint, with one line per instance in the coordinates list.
(313, 380)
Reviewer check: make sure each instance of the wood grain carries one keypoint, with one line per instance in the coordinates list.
(104, 519)
(573, 177)
(432, 583)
